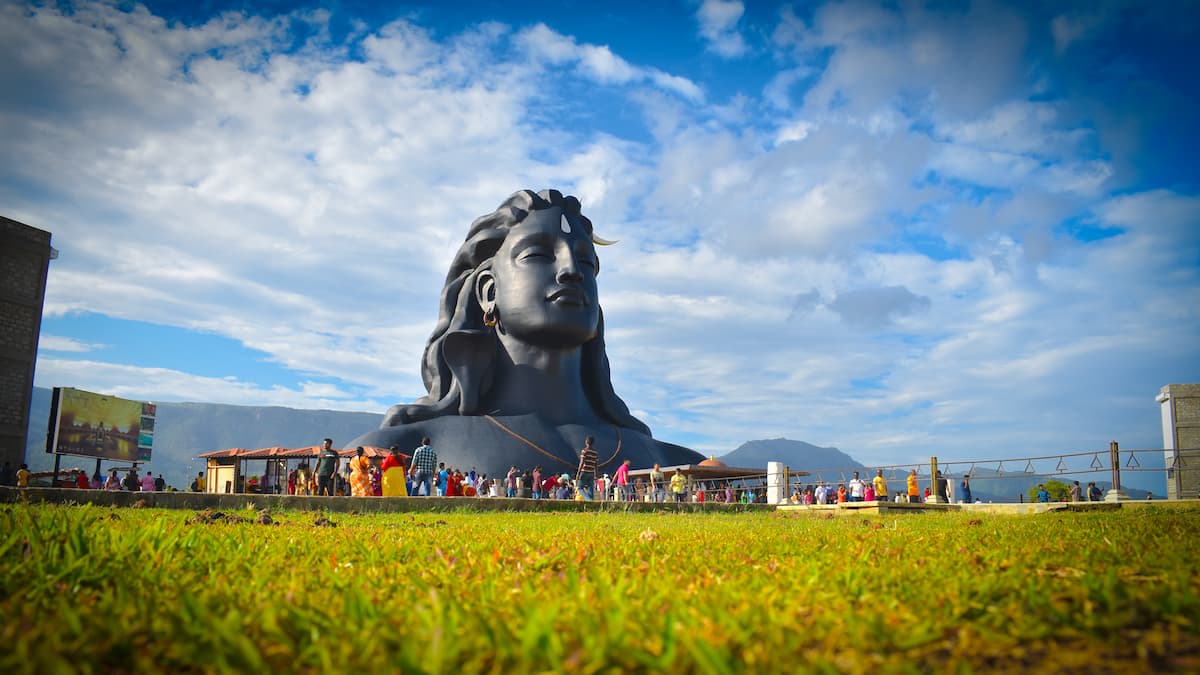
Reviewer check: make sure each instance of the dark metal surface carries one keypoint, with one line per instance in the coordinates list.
(540, 372)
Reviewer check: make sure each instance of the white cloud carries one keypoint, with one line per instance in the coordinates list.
(793, 131)
(777, 92)
(164, 384)
(57, 343)
(718, 21)
(599, 63)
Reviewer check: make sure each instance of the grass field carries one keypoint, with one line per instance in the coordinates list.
(141, 590)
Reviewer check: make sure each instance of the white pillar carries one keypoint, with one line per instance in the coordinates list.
(776, 490)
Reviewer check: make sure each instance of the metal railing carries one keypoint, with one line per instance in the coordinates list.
(1179, 467)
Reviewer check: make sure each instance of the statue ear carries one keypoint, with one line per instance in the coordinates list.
(485, 289)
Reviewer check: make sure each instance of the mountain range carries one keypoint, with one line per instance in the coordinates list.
(796, 455)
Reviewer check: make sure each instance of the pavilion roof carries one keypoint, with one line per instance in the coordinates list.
(276, 452)
(707, 472)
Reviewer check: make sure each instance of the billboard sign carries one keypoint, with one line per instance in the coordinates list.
(94, 425)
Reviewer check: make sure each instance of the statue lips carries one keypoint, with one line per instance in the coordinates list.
(568, 296)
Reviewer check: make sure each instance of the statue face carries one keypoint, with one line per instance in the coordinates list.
(543, 282)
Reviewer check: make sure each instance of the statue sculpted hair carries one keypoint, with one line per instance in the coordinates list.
(456, 366)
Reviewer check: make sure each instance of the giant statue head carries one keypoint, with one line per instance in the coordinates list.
(525, 277)
(515, 370)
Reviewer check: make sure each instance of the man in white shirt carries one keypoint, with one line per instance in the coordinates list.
(857, 489)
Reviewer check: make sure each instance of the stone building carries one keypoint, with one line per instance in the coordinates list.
(1181, 438)
(25, 255)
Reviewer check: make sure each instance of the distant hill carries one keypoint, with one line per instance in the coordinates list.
(796, 455)
(184, 430)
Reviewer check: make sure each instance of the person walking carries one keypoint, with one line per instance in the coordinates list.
(621, 478)
(327, 466)
(1075, 491)
(658, 493)
(880, 485)
(360, 473)
(393, 474)
(304, 477)
(585, 476)
(679, 485)
(966, 490)
(914, 490)
(510, 482)
(23, 475)
(424, 465)
(857, 489)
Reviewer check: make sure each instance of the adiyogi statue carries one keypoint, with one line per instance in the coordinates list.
(516, 370)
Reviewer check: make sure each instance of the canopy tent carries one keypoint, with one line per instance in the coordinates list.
(276, 452)
(226, 467)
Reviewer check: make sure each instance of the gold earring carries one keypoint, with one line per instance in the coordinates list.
(489, 318)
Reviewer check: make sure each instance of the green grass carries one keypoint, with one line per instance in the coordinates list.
(140, 590)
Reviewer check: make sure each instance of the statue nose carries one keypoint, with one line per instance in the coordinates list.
(569, 272)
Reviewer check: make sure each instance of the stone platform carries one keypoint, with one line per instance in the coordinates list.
(198, 501)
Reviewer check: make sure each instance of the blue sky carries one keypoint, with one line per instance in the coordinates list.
(904, 229)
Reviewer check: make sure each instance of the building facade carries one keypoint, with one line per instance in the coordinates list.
(1180, 404)
(25, 255)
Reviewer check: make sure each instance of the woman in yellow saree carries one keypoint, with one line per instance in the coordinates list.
(394, 474)
(360, 474)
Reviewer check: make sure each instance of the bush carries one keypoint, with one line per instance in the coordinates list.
(1058, 490)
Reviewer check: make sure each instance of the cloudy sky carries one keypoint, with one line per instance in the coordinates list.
(963, 229)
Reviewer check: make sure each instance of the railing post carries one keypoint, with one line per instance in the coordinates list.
(1116, 494)
(934, 497)
(1114, 455)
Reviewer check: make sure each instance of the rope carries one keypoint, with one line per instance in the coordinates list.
(615, 452)
(556, 458)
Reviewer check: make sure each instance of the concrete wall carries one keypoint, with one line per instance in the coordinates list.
(1180, 406)
(24, 260)
(221, 502)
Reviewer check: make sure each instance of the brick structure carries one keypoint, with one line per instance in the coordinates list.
(25, 255)
(1181, 438)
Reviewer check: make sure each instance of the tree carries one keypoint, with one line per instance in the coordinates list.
(1058, 490)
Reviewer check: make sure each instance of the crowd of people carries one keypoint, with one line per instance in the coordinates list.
(423, 475)
(398, 475)
(1076, 493)
(131, 481)
(876, 490)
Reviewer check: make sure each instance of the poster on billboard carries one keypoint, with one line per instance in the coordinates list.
(94, 425)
